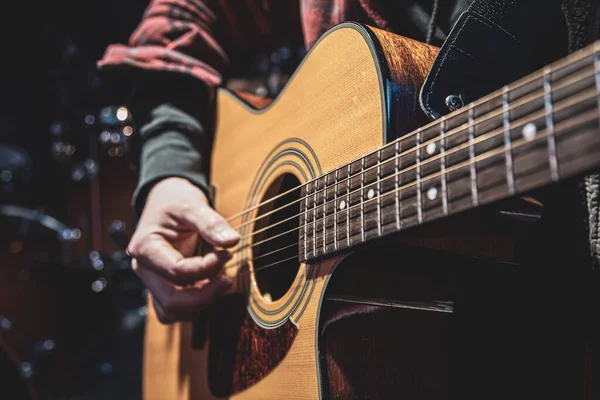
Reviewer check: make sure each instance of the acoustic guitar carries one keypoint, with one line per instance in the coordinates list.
(329, 185)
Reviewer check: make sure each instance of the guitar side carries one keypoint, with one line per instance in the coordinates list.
(343, 101)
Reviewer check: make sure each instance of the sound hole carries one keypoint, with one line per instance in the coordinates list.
(275, 256)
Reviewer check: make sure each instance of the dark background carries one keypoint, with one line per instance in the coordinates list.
(50, 51)
(49, 76)
(51, 96)
(48, 79)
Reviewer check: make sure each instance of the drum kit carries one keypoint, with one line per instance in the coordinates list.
(63, 284)
(68, 296)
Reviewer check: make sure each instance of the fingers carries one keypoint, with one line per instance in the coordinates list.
(212, 227)
(174, 303)
(177, 205)
(165, 318)
(162, 258)
(160, 313)
(165, 244)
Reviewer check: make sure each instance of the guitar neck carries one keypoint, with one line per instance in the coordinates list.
(532, 133)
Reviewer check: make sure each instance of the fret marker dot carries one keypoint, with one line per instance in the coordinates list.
(430, 148)
(370, 193)
(342, 205)
(529, 131)
(432, 193)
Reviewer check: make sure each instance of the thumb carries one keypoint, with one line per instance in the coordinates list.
(212, 227)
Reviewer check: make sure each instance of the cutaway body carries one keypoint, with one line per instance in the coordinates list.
(347, 325)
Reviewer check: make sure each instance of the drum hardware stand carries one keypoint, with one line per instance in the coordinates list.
(89, 138)
(114, 125)
(111, 140)
(82, 156)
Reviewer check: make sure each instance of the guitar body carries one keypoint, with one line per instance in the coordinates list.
(353, 325)
(332, 111)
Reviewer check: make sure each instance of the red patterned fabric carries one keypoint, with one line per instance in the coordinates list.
(202, 38)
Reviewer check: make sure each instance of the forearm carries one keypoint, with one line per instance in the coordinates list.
(178, 55)
(174, 135)
(169, 153)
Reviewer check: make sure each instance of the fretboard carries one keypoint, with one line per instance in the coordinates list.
(534, 132)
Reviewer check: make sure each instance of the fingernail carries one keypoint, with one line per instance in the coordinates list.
(228, 234)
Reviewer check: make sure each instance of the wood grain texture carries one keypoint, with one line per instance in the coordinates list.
(407, 63)
(380, 352)
(241, 352)
(331, 112)
(377, 341)
(386, 333)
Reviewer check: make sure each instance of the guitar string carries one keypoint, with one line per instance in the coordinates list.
(488, 155)
(455, 131)
(575, 57)
(240, 264)
(274, 251)
(449, 117)
(433, 158)
(359, 189)
(492, 134)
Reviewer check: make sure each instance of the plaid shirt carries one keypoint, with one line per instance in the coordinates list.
(202, 38)
(207, 39)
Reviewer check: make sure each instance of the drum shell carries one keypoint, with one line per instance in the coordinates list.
(99, 201)
(50, 305)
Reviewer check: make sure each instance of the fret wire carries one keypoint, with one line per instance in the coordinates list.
(550, 124)
(335, 209)
(542, 114)
(558, 65)
(325, 211)
(491, 134)
(569, 104)
(397, 185)
(590, 76)
(510, 170)
(500, 131)
(305, 224)
(487, 155)
(448, 133)
(348, 207)
(473, 166)
(443, 165)
(379, 192)
(597, 77)
(315, 220)
(418, 177)
(362, 199)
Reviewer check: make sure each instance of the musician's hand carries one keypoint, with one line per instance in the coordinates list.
(163, 248)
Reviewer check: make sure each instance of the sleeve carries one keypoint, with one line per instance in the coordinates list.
(180, 52)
